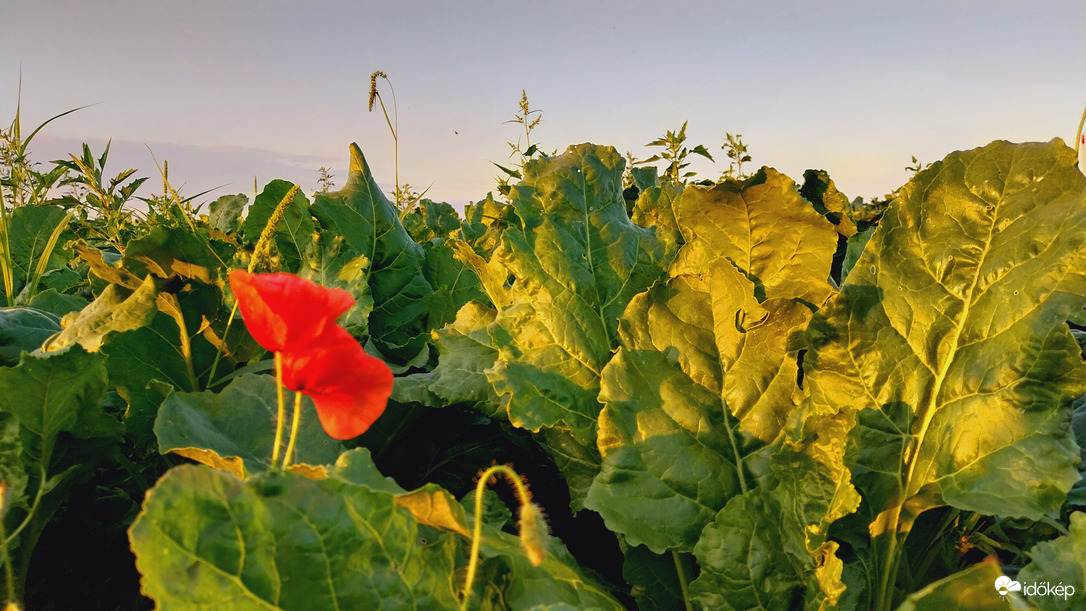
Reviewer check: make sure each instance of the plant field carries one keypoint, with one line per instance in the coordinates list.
(753, 393)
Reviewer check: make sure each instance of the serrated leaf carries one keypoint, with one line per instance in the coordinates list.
(706, 377)
(577, 260)
(765, 228)
(370, 226)
(948, 342)
(234, 430)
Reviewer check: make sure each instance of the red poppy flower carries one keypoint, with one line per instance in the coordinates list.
(297, 318)
(284, 311)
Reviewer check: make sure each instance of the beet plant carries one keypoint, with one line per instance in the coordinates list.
(748, 394)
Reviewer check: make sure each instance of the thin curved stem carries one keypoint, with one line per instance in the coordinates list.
(523, 496)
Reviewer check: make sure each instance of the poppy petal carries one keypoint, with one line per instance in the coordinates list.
(283, 311)
(349, 388)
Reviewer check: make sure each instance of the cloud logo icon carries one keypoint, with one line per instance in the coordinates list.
(1005, 585)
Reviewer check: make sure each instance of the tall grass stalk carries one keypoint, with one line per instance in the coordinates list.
(393, 126)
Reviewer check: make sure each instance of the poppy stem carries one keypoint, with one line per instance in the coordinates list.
(523, 495)
(281, 415)
(295, 421)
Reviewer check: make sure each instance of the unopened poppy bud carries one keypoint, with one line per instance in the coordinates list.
(533, 532)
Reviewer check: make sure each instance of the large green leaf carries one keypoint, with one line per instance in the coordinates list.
(948, 343)
(430, 220)
(370, 226)
(153, 351)
(293, 232)
(234, 430)
(1076, 498)
(818, 188)
(54, 394)
(744, 558)
(768, 546)
(282, 541)
(483, 224)
(55, 402)
(765, 228)
(705, 377)
(24, 330)
(576, 260)
(1061, 562)
(189, 269)
(655, 578)
(515, 583)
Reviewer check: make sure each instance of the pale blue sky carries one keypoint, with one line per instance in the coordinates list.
(229, 90)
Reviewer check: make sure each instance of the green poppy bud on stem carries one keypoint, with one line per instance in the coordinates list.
(533, 532)
(533, 525)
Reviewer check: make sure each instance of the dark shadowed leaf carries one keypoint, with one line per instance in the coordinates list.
(24, 329)
(234, 430)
